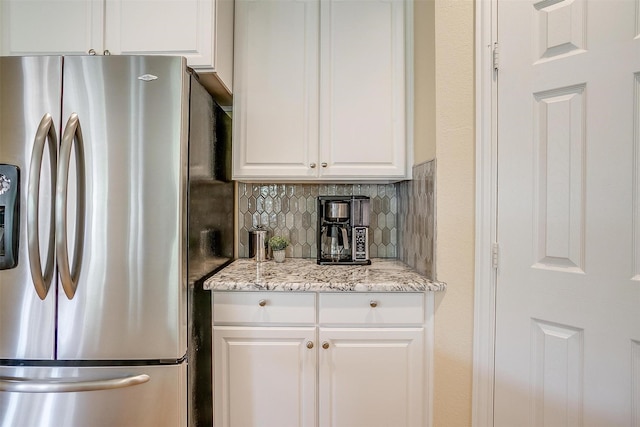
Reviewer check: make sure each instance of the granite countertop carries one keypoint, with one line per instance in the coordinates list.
(303, 274)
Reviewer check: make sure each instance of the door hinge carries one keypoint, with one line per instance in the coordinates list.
(496, 56)
(494, 255)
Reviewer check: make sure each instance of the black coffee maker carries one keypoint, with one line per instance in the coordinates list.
(343, 230)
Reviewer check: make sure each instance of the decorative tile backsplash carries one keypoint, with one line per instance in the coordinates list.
(290, 210)
(416, 219)
(402, 216)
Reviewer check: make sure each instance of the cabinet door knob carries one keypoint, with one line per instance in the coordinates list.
(373, 303)
(323, 164)
(92, 52)
(309, 344)
(312, 165)
(325, 345)
(106, 52)
(262, 302)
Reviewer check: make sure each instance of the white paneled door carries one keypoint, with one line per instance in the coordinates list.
(568, 283)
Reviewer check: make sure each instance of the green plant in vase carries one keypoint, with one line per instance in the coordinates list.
(278, 244)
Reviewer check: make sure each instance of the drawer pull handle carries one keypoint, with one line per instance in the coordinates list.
(325, 345)
(262, 302)
(309, 344)
(373, 303)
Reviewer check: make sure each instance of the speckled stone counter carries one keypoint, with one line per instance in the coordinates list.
(302, 274)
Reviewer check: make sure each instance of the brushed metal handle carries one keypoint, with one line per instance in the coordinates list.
(325, 345)
(309, 344)
(69, 275)
(345, 238)
(92, 52)
(262, 302)
(46, 132)
(373, 303)
(28, 385)
(323, 164)
(312, 165)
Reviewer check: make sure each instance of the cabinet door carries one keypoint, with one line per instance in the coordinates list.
(264, 376)
(275, 126)
(50, 27)
(362, 88)
(371, 377)
(171, 27)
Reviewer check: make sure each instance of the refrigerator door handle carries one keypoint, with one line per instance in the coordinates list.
(46, 132)
(27, 385)
(69, 275)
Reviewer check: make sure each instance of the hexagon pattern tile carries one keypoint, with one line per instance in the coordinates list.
(290, 210)
(416, 219)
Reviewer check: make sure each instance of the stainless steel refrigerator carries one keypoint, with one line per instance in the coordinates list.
(113, 204)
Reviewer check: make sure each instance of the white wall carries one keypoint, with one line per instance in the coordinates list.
(424, 132)
(444, 129)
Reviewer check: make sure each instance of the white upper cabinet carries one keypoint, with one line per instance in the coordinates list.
(44, 27)
(200, 30)
(362, 86)
(321, 90)
(275, 105)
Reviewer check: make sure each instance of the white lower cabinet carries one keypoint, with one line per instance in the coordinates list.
(361, 362)
(264, 376)
(371, 377)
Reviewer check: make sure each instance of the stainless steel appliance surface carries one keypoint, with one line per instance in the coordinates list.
(108, 167)
(258, 243)
(343, 230)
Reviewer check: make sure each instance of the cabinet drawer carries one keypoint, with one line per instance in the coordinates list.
(263, 307)
(371, 308)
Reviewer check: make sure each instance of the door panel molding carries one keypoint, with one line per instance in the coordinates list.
(559, 178)
(636, 177)
(637, 19)
(557, 374)
(561, 28)
(635, 383)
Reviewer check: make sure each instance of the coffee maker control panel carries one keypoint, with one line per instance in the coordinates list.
(360, 243)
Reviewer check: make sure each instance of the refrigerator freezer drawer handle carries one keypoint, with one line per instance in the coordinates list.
(26, 385)
(69, 276)
(46, 132)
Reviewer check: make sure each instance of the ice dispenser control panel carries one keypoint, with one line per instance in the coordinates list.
(9, 215)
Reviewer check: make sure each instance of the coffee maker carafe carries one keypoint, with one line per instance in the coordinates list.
(335, 238)
(343, 230)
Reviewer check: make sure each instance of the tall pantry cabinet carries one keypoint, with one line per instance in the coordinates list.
(321, 89)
